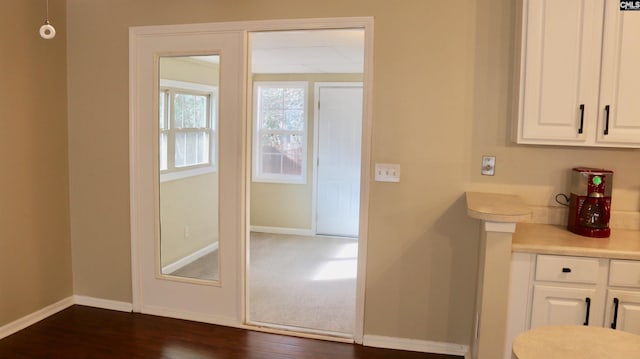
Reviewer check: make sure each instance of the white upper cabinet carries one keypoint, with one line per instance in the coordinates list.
(578, 74)
(620, 82)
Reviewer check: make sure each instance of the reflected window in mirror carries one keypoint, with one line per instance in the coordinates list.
(187, 129)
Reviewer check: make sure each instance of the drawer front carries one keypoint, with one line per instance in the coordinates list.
(624, 273)
(567, 269)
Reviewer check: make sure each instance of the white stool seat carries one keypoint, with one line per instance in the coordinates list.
(579, 342)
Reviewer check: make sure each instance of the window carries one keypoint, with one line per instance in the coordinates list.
(187, 129)
(280, 136)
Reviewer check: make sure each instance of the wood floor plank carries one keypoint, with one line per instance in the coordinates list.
(84, 332)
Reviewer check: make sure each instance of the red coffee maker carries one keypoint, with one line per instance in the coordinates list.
(590, 202)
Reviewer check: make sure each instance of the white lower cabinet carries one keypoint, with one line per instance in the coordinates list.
(623, 310)
(623, 297)
(553, 305)
(568, 291)
(565, 290)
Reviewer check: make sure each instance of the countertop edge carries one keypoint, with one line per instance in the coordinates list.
(576, 252)
(557, 240)
(497, 207)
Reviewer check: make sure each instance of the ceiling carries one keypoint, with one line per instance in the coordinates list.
(310, 51)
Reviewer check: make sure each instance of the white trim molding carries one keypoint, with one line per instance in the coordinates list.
(423, 346)
(504, 227)
(283, 230)
(30, 319)
(103, 303)
(298, 332)
(172, 267)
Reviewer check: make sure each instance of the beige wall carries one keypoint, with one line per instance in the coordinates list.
(191, 202)
(442, 96)
(290, 205)
(35, 248)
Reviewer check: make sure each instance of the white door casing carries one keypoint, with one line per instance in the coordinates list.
(338, 137)
(219, 302)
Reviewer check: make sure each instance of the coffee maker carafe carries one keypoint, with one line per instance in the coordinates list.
(590, 202)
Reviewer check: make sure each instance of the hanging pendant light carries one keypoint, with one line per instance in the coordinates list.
(47, 31)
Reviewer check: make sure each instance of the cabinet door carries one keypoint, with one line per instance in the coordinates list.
(619, 109)
(565, 306)
(560, 71)
(627, 303)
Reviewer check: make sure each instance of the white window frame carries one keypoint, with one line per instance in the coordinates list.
(175, 173)
(280, 178)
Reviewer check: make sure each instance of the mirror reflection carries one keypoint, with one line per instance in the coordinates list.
(187, 162)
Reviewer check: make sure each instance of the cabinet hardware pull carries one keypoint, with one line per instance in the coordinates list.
(581, 118)
(566, 270)
(606, 121)
(616, 304)
(588, 301)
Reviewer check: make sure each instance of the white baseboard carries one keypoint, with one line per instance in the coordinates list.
(283, 230)
(35, 317)
(172, 267)
(423, 346)
(102, 303)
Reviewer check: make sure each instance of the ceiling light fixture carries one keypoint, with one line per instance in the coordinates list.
(47, 31)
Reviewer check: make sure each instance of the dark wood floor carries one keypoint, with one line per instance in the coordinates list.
(83, 332)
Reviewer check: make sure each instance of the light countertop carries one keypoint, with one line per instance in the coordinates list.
(552, 239)
(548, 238)
(495, 207)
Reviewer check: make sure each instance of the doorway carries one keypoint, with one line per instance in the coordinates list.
(305, 180)
(223, 297)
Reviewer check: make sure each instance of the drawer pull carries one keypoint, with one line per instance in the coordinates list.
(566, 270)
(616, 304)
(588, 301)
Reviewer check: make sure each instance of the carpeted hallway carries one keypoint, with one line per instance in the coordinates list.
(305, 282)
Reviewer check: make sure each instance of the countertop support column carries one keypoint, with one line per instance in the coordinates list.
(493, 288)
(499, 214)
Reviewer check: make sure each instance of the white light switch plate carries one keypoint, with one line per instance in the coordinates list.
(387, 172)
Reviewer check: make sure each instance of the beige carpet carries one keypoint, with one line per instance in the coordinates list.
(205, 267)
(296, 281)
(305, 282)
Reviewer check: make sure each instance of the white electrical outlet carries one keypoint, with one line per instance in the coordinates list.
(488, 165)
(387, 172)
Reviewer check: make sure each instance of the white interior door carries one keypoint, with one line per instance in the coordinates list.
(214, 301)
(339, 128)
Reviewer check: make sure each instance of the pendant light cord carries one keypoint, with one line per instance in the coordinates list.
(46, 17)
